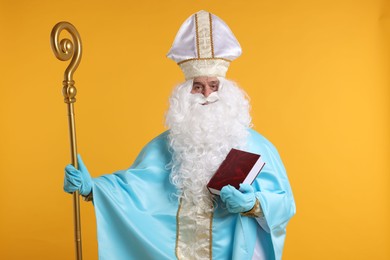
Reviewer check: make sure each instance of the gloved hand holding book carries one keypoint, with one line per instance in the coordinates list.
(238, 201)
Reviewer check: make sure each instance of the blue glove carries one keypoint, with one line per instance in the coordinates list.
(238, 201)
(77, 179)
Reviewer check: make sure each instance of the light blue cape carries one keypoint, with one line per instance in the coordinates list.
(136, 209)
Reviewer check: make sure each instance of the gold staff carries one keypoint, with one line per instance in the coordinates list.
(64, 50)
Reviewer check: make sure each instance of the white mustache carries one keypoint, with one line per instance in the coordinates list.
(200, 99)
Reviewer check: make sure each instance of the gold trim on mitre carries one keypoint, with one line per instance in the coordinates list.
(213, 67)
(197, 35)
(211, 35)
(204, 34)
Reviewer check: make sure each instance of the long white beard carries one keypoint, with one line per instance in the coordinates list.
(201, 136)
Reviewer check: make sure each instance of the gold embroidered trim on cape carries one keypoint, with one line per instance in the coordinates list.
(177, 230)
(211, 236)
(185, 234)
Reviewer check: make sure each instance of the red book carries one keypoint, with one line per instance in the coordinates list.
(238, 167)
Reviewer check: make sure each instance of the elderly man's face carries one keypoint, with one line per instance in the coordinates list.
(205, 85)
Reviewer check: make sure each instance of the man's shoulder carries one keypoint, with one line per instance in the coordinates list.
(257, 143)
(155, 150)
(160, 139)
(256, 137)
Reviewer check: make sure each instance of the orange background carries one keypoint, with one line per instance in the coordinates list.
(317, 73)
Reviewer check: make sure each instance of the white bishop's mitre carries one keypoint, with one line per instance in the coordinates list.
(204, 46)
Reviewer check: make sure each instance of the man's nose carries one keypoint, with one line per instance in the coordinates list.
(207, 91)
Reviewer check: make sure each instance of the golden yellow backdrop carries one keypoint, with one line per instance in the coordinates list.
(317, 73)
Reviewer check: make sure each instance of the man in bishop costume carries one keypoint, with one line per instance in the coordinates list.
(160, 208)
